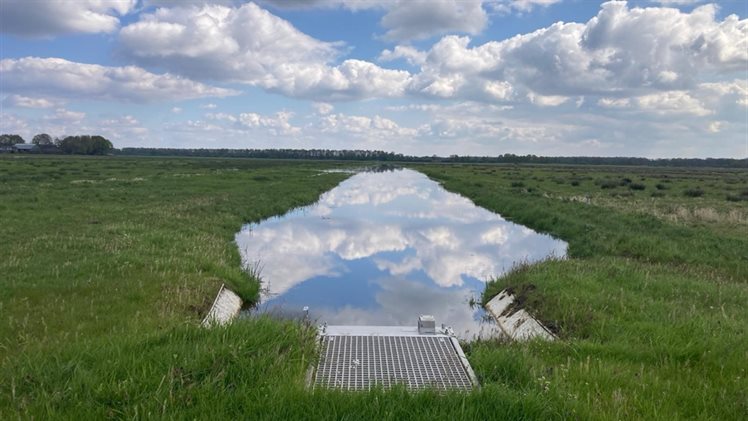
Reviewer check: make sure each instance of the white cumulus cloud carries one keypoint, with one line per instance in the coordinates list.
(278, 124)
(620, 52)
(250, 45)
(323, 108)
(410, 54)
(360, 126)
(520, 6)
(28, 102)
(62, 115)
(59, 78)
(419, 19)
(547, 100)
(52, 17)
(672, 102)
(410, 19)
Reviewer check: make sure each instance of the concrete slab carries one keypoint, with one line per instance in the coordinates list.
(225, 308)
(518, 325)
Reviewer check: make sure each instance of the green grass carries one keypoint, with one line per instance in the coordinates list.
(136, 242)
(251, 370)
(108, 264)
(650, 308)
(98, 251)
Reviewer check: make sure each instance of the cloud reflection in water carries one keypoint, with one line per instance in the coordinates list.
(382, 248)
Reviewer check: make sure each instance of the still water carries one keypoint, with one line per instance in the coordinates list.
(383, 248)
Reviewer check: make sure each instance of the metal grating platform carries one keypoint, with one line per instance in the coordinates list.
(361, 362)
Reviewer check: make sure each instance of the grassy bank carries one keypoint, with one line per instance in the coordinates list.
(109, 263)
(103, 253)
(650, 306)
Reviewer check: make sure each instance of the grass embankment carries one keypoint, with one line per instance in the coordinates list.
(650, 306)
(103, 258)
(108, 265)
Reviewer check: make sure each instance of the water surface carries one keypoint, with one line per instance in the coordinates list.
(382, 248)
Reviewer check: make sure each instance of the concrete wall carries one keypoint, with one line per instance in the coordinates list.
(518, 325)
(225, 308)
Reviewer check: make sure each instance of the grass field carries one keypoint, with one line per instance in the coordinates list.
(651, 304)
(109, 263)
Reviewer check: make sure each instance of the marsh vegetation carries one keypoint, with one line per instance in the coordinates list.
(109, 263)
(650, 306)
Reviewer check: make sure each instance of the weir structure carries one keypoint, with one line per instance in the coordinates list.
(415, 357)
(366, 357)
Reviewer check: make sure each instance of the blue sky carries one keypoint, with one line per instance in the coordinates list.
(471, 77)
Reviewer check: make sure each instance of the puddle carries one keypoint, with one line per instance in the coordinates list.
(382, 248)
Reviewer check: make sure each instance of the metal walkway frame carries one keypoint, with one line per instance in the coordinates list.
(365, 357)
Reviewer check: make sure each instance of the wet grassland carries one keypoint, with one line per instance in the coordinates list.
(649, 306)
(108, 264)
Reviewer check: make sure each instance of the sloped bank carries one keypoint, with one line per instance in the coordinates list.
(225, 308)
(513, 320)
(649, 312)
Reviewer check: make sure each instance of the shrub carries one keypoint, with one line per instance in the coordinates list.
(738, 197)
(609, 184)
(575, 183)
(637, 186)
(518, 184)
(658, 194)
(693, 192)
(660, 186)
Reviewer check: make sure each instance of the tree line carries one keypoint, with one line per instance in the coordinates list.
(367, 155)
(78, 145)
(323, 154)
(98, 145)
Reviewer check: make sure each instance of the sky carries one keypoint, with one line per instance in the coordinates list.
(646, 78)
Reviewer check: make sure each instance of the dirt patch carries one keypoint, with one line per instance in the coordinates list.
(521, 296)
(199, 310)
(525, 299)
(552, 326)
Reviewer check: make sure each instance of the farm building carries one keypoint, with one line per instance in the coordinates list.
(24, 147)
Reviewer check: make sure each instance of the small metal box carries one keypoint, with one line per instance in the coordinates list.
(426, 325)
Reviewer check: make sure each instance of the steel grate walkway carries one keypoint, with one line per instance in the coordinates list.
(361, 362)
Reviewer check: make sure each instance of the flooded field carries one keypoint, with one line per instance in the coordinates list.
(382, 248)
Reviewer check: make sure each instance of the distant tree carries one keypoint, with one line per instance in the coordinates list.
(42, 139)
(363, 155)
(10, 139)
(85, 145)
